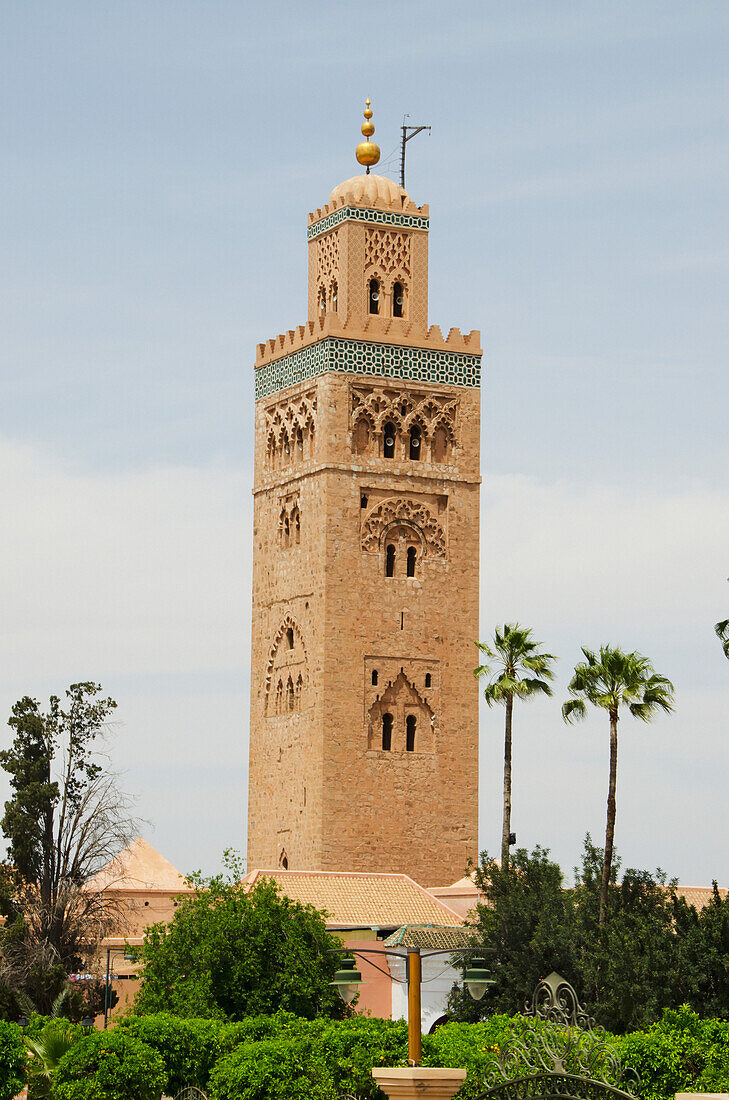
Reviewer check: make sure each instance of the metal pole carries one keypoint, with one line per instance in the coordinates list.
(106, 988)
(402, 157)
(415, 1037)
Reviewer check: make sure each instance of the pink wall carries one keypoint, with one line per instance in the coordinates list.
(375, 993)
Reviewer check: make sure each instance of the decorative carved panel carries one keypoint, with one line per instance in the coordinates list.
(388, 250)
(396, 511)
(403, 408)
(327, 257)
(290, 429)
(286, 671)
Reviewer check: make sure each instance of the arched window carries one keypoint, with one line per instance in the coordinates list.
(286, 447)
(389, 441)
(412, 558)
(322, 300)
(415, 441)
(390, 560)
(398, 300)
(428, 679)
(279, 697)
(286, 532)
(387, 732)
(334, 297)
(299, 446)
(374, 677)
(440, 445)
(410, 724)
(290, 695)
(290, 637)
(363, 500)
(284, 863)
(297, 527)
(374, 296)
(298, 690)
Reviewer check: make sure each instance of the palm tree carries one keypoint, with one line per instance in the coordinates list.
(722, 632)
(611, 680)
(515, 653)
(55, 1040)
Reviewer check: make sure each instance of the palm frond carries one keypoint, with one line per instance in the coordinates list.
(513, 653)
(573, 710)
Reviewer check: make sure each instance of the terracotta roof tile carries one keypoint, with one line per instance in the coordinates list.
(432, 937)
(358, 900)
(699, 896)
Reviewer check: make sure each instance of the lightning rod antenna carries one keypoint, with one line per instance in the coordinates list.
(408, 132)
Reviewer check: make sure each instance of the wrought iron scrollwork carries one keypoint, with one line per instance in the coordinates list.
(561, 1052)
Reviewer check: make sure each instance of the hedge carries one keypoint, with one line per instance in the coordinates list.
(268, 1057)
(110, 1065)
(274, 1069)
(12, 1060)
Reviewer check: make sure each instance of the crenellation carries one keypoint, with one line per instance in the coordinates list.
(371, 328)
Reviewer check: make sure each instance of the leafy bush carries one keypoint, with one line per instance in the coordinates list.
(110, 1065)
(470, 1047)
(352, 1047)
(681, 1053)
(188, 1048)
(274, 1070)
(12, 1060)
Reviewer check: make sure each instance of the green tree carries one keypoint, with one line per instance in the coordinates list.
(704, 949)
(629, 970)
(722, 633)
(65, 820)
(527, 924)
(231, 952)
(517, 670)
(613, 680)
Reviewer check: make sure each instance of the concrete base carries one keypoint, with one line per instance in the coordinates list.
(419, 1082)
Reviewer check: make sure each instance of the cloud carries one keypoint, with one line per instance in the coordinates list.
(140, 574)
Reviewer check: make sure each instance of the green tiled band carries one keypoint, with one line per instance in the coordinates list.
(365, 214)
(364, 357)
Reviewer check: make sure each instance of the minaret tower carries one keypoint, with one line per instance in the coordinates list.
(364, 707)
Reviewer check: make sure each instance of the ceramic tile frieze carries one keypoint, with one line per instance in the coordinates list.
(366, 214)
(366, 357)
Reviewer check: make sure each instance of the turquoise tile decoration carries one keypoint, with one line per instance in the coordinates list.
(366, 214)
(454, 368)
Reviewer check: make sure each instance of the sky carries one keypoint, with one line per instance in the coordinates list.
(159, 160)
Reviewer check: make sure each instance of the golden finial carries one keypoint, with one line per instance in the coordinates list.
(367, 152)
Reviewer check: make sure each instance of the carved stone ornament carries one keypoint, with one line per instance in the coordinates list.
(409, 513)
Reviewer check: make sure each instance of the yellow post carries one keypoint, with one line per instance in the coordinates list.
(415, 1037)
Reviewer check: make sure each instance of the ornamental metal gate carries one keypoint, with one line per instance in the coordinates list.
(561, 1054)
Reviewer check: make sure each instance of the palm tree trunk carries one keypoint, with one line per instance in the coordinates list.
(607, 862)
(506, 828)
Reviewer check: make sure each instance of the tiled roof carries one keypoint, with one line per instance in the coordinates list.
(138, 867)
(465, 884)
(431, 937)
(358, 900)
(699, 896)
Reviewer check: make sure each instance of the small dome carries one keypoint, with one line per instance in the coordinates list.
(371, 189)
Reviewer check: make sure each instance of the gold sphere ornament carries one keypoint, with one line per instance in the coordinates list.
(367, 152)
